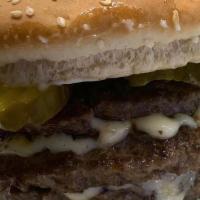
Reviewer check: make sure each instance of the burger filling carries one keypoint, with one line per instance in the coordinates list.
(86, 116)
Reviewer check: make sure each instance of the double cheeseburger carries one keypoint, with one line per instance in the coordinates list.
(99, 99)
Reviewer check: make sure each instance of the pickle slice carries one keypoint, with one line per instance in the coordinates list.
(189, 74)
(29, 105)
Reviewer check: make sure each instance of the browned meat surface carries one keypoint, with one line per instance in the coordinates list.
(136, 159)
(116, 100)
(74, 120)
(122, 102)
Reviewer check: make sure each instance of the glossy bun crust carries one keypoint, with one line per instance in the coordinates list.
(65, 41)
(98, 15)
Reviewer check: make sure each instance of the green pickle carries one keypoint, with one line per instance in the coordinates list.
(29, 105)
(189, 74)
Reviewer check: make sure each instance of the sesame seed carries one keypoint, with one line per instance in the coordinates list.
(105, 9)
(86, 27)
(106, 2)
(61, 22)
(16, 14)
(163, 23)
(29, 11)
(43, 39)
(115, 4)
(14, 2)
(176, 20)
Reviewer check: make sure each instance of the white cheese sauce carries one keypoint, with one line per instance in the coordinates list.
(162, 127)
(168, 187)
(86, 194)
(110, 133)
(21, 146)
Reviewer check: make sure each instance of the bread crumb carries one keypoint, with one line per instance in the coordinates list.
(29, 11)
(61, 22)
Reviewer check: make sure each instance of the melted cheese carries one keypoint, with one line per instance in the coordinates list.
(111, 132)
(186, 120)
(162, 127)
(167, 191)
(168, 187)
(86, 194)
(21, 146)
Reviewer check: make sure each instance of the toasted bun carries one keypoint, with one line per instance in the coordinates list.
(66, 41)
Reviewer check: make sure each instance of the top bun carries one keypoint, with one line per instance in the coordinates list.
(67, 41)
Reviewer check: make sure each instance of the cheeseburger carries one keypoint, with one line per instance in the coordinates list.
(99, 99)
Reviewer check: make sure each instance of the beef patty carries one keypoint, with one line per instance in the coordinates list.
(116, 100)
(137, 159)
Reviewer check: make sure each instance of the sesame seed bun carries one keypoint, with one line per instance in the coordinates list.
(65, 41)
